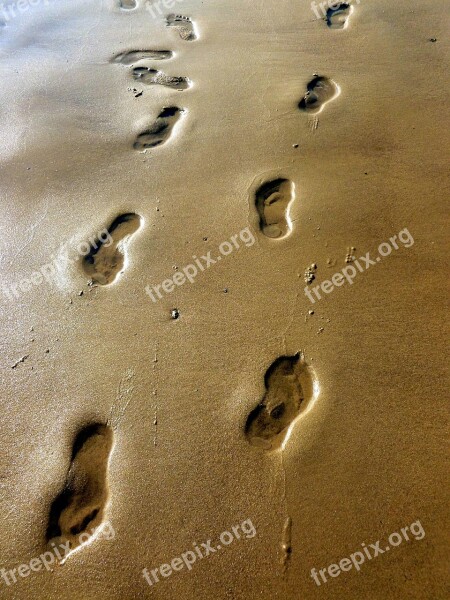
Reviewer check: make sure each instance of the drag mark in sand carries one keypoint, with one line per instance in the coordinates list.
(123, 398)
(286, 543)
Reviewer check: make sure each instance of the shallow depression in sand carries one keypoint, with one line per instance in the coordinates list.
(83, 500)
(291, 389)
(106, 259)
(273, 202)
(320, 91)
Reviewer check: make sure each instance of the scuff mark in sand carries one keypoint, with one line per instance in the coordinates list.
(123, 399)
(21, 360)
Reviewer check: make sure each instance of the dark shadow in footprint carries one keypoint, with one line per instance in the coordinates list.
(320, 90)
(337, 18)
(133, 56)
(273, 200)
(160, 131)
(153, 77)
(106, 258)
(183, 25)
(82, 503)
(127, 4)
(290, 388)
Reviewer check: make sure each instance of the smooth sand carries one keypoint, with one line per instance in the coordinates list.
(368, 458)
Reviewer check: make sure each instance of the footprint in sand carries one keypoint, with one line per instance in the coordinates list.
(183, 25)
(106, 260)
(273, 200)
(153, 77)
(82, 503)
(133, 56)
(290, 389)
(338, 17)
(320, 90)
(161, 130)
(127, 4)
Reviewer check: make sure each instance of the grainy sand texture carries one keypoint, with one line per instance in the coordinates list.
(223, 300)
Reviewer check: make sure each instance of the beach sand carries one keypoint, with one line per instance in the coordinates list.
(133, 143)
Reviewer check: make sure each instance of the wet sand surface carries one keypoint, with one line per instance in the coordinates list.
(275, 149)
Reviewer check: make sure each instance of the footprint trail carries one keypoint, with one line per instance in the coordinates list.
(127, 4)
(273, 201)
(106, 259)
(290, 390)
(82, 503)
(160, 131)
(183, 25)
(320, 91)
(154, 77)
(133, 56)
(337, 18)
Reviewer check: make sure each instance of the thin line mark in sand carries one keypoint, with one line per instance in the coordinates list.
(123, 399)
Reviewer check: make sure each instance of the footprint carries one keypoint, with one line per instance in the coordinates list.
(127, 4)
(337, 18)
(273, 200)
(183, 25)
(133, 56)
(82, 503)
(320, 90)
(290, 389)
(106, 259)
(154, 77)
(161, 130)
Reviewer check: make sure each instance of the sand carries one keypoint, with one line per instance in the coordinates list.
(173, 191)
